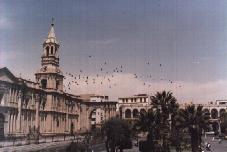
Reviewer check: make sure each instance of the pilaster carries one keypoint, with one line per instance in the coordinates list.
(19, 111)
(37, 106)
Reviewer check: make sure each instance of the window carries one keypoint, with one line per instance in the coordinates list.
(52, 49)
(57, 122)
(44, 83)
(1, 96)
(47, 50)
(57, 84)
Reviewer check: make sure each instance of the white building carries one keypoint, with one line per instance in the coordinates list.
(130, 107)
(216, 109)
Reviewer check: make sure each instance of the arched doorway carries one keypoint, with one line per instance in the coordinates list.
(214, 113)
(97, 117)
(135, 113)
(71, 128)
(128, 113)
(222, 112)
(93, 119)
(206, 111)
(142, 111)
(2, 119)
(149, 110)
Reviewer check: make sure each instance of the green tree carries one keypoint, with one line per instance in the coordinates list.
(195, 120)
(167, 104)
(223, 119)
(149, 123)
(118, 135)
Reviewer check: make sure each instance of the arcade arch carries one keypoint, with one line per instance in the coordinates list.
(128, 113)
(97, 117)
(142, 110)
(214, 113)
(206, 110)
(2, 120)
(222, 111)
(135, 113)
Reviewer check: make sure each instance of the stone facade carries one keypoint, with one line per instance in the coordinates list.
(99, 114)
(43, 105)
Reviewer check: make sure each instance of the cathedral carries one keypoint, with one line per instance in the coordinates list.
(43, 105)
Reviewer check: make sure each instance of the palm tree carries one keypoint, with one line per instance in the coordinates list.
(167, 104)
(195, 120)
(149, 122)
(223, 120)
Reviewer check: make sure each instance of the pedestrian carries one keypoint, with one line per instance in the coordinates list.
(208, 146)
(219, 141)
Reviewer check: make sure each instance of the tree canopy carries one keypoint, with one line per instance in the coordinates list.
(195, 120)
(118, 134)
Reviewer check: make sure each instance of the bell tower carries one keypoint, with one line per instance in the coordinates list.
(50, 76)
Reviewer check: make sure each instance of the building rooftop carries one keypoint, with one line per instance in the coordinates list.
(87, 97)
(135, 96)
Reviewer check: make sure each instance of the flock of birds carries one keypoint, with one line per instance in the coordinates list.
(106, 77)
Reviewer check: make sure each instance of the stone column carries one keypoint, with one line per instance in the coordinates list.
(219, 127)
(86, 119)
(111, 112)
(6, 129)
(67, 116)
(78, 117)
(12, 97)
(9, 122)
(108, 113)
(83, 118)
(12, 120)
(114, 112)
(123, 113)
(19, 111)
(15, 123)
(9, 97)
(37, 105)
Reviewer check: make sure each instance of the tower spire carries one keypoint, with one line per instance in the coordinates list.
(50, 76)
(52, 23)
(51, 35)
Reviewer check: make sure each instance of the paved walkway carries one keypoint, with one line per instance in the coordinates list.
(36, 147)
(19, 142)
(45, 143)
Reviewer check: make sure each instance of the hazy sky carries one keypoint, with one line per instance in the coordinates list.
(188, 38)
